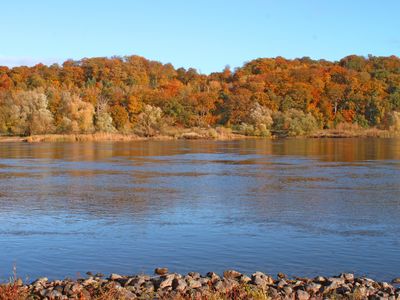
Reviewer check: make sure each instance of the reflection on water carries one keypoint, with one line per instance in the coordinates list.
(300, 206)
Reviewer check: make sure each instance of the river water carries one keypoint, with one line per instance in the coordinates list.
(298, 206)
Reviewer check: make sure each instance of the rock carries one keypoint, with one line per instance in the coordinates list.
(313, 287)
(302, 295)
(214, 277)
(288, 290)
(261, 280)
(338, 281)
(167, 281)
(343, 289)
(281, 276)
(161, 271)
(396, 280)
(193, 283)
(218, 286)
(230, 283)
(194, 275)
(40, 281)
(204, 280)
(100, 275)
(54, 294)
(273, 293)
(330, 287)
(244, 279)
(386, 285)
(232, 274)
(148, 287)
(89, 281)
(179, 284)
(115, 276)
(281, 283)
(75, 289)
(319, 279)
(347, 276)
(84, 294)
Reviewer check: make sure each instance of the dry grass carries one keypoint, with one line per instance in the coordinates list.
(81, 137)
(167, 134)
(11, 291)
(346, 130)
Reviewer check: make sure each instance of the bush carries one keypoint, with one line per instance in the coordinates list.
(149, 121)
(394, 121)
(104, 122)
(294, 123)
(260, 122)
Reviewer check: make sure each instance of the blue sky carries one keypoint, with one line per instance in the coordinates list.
(205, 34)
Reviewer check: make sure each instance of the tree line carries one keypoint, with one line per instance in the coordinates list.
(134, 95)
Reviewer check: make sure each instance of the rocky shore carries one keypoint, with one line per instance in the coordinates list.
(231, 285)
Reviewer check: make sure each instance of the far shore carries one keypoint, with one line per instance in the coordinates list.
(198, 134)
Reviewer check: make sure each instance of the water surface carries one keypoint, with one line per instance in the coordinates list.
(299, 206)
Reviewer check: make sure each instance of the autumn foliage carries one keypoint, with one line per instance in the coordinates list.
(134, 95)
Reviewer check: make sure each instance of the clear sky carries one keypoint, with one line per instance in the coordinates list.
(204, 34)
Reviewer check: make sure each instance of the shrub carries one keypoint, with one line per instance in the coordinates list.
(394, 121)
(149, 121)
(294, 123)
(259, 122)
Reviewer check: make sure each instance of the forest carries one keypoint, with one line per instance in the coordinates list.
(264, 97)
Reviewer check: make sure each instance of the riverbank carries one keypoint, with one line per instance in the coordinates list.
(172, 134)
(232, 285)
(204, 134)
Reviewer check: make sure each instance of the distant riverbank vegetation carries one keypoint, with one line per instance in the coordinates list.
(266, 97)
